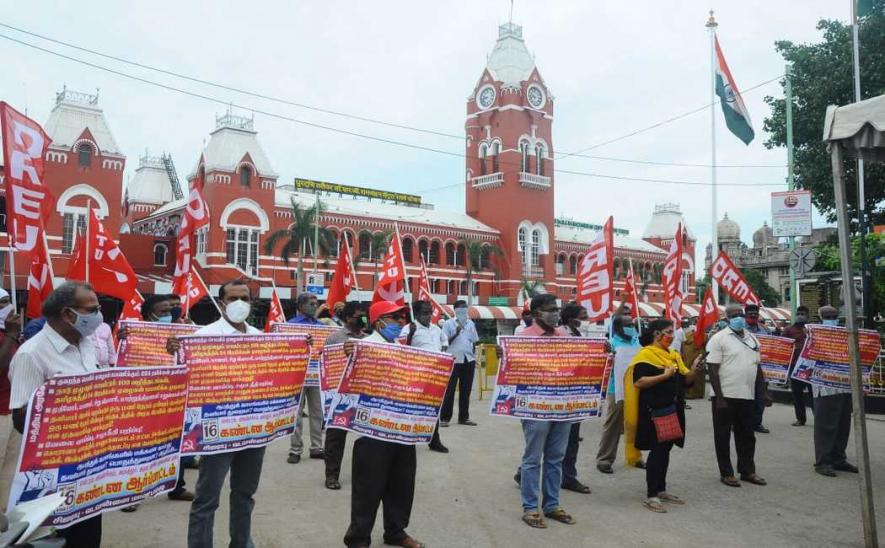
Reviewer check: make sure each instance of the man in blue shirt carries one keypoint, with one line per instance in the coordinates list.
(461, 334)
(306, 305)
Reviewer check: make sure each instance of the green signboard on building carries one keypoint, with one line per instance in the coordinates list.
(497, 301)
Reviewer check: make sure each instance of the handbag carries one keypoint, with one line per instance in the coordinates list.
(666, 421)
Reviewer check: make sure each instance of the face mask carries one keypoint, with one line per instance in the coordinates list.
(630, 332)
(237, 311)
(738, 323)
(166, 318)
(461, 314)
(391, 331)
(830, 322)
(364, 321)
(86, 324)
(5, 311)
(551, 319)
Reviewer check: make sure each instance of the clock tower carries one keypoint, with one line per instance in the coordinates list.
(509, 181)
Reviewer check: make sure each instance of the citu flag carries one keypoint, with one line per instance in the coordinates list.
(391, 285)
(132, 307)
(671, 277)
(708, 317)
(344, 278)
(275, 313)
(629, 296)
(105, 267)
(737, 117)
(424, 294)
(595, 275)
(186, 283)
(730, 278)
(39, 280)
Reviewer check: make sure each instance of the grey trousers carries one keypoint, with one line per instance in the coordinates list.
(245, 471)
(832, 426)
(314, 400)
(612, 428)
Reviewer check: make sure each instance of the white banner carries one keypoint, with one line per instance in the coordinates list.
(791, 213)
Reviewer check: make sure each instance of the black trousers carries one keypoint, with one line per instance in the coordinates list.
(739, 416)
(86, 534)
(798, 388)
(569, 462)
(832, 426)
(462, 375)
(758, 409)
(383, 472)
(656, 465)
(334, 451)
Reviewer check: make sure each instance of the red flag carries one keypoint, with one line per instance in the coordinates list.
(194, 289)
(29, 201)
(40, 283)
(275, 313)
(109, 271)
(707, 318)
(196, 215)
(526, 301)
(343, 279)
(391, 285)
(132, 307)
(595, 273)
(671, 278)
(729, 277)
(424, 294)
(630, 296)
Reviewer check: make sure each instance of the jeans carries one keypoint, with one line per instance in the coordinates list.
(570, 461)
(315, 416)
(547, 440)
(245, 471)
(462, 374)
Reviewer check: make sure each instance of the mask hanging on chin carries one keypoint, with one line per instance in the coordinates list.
(237, 311)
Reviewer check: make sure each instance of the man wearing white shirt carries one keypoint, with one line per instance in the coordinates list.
(62, 347)
(832, 418)
(426, 336)
(462, 338)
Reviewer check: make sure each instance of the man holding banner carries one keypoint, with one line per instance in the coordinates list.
(306, 305)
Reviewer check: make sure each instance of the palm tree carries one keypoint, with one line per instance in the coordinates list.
(298, 238)
(476, 252)
(378, 248)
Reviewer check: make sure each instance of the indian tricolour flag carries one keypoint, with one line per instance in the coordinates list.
(737, 118)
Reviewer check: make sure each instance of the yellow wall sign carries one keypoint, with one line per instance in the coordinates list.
(321, 186)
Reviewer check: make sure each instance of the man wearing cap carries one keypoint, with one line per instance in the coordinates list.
(832, 418)
(382, 470)
(754, 326)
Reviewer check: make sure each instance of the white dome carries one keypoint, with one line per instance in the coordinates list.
(727, 229)
(150, 184)
(510, 61)
(664, 221)
(764, 236)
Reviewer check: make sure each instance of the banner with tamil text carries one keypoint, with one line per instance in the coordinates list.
(332, 367)
(550, 378)
(318, 335)
(391, 392)
(145, 345)
(102, 440)
(824, 358)
(775, 354)
(243, 390)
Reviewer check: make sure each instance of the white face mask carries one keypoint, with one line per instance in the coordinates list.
(5, 312)
(237, 311)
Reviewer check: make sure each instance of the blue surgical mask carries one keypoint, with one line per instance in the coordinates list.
(738, 323)
(86, 324)
(391, 331)
(461, 314)
(629, 332)
(166, 318)
(830, 322)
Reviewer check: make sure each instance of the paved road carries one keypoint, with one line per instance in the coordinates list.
(468, 498)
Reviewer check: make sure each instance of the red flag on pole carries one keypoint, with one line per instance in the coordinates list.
(729, 277)
(40, 283)
(708, 317)
(196, 215)
(630, 296)
(275, 313)
(671, 278)
(132, 307)
(595, 273)
(424, 294)
(109, 271)
(391, 284)
(343, 279)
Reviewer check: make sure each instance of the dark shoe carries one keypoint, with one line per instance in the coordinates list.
(605, 468)
(688, 406)
(439, 447)
(293, 459)
(468, 422)
(319, 454)
(826, 471)
(184, 495)
(406, 542)
(846, 467)
(762, 430)
(444, 424)
(130, 509)
(580, 439)
(333, 484)
(577, 487)
(730, 481)
(641, 465)
(754, 479)
(517, 478)
(799, 423)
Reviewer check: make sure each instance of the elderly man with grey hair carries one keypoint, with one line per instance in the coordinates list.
(832, 418)
(735, 375)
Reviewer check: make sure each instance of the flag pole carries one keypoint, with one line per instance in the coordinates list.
(12, 272)
(356, 282)
(48, 259)
(866, 301)
(316, 233)
(208, 294)
(86, 242)
(788, 99)
(712, 24)
(408, 288)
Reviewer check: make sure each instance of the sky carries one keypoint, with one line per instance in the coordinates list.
(612, 67)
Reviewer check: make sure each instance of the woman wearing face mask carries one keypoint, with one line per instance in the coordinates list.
(652, 408)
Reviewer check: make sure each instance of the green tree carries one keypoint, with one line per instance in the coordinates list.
(477, 255)
(298, 238)
(822, 75)
(701, 286)
(828, 260)
(767, 294)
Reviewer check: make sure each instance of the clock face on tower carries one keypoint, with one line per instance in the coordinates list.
(486, 97)
(536, 96)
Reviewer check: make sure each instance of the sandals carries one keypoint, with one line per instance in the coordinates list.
(730, 481)
(534, 519)
(654, 504)
(561, 516)
(754, 479)
(672, 499)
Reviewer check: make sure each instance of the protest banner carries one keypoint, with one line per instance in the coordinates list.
(318, 335)
(550, 378)
(332, 366)
(391, 392)
(243, 390)
(146, 343)
(102, 440)
(775, 354)
(730, 278)
(824, 358)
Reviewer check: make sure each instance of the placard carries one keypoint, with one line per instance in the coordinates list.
(146, 343)
(243, 390)
(791, 213)
(775, 354)
(318, 335)
(102, 440)
(392, 392)
(550, 378)
(332, 366)
(824, 358)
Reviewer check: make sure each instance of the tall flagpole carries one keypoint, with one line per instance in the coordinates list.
(712, 24)
(356, 282)
(86, 241)
(861, 195)
(12, 273)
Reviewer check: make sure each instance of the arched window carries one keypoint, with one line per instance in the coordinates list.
(246, 176)
(617, 269)
(461, 255)
(536, 247)
(160, 252)
(524, 155)
(496, 150)
(572, 265)
(84, 155)
(462, 288)
(450, 254)
(539, 159)
(365, 242)
(422, 250)
(450, 287)
(483, 152)
(560, 264)
(434, 253)
(523, 244)
(241, 248)
(408, 250)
